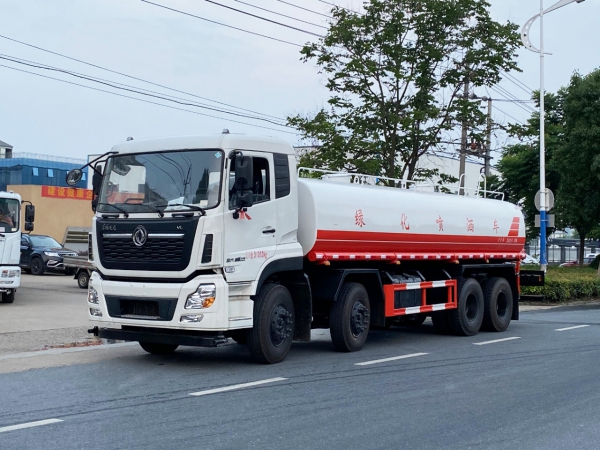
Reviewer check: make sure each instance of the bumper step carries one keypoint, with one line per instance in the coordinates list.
(158, 337)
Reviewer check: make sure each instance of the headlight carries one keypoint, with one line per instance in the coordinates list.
(204, 297)
(56, 255)
(92, 295)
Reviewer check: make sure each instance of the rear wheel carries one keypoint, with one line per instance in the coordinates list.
(498, 304)
(8, 297)
(466, 319)
(271, 337)
(37, 266)
(83, 279)
(350, 318)
(158, 349)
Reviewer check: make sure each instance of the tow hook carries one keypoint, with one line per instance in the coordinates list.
(94, 331)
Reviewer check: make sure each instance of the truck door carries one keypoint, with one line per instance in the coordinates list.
(250, 240)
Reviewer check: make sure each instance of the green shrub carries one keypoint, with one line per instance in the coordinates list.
(564, 284)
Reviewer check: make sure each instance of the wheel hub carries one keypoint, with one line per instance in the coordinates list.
(359, 320)
(281, 325)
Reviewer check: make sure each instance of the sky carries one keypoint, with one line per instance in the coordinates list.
(220, 64)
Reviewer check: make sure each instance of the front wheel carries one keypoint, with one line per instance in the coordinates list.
(83, 279)
(270, 339)
(350, 318)
(158, 349)
(37, 266)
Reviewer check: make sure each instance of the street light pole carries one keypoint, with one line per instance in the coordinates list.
(529, 46)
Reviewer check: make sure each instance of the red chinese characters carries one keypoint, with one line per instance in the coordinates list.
(470, 226)
(440, 223)
(404, 222)
(359, 219)
(69, 193)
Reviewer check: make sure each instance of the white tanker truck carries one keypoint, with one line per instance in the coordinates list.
(199, 239)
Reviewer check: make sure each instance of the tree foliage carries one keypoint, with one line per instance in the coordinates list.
(395, 74)
(578, 159)
(520, 163)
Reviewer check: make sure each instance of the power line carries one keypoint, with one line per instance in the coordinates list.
(134, 78)
(519, 83)
(134, 89)
(219, 23)
(280, 14)
(146, 101)
(506, 94)
(260, 17)
(305, 9)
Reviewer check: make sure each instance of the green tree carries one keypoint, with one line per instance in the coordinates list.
(520, 163)
(395, 74)
(578, 159)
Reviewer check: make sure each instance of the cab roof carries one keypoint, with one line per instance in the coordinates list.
(224, 141)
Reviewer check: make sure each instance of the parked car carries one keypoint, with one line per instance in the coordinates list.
(587, 260)
(40, 253)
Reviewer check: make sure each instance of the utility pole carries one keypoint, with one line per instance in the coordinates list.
(463, 142)
(488, 143)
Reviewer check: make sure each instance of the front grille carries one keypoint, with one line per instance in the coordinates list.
(139, 308)
(168, 246)
(167, 250)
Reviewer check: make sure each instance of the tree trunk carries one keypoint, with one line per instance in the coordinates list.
(581, 248)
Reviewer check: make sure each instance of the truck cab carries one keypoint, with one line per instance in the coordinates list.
(176, 245)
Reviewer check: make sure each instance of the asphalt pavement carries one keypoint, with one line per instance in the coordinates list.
(535, 386)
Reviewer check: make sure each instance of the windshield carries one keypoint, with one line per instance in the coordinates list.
(43, 241)
(9, 215)
(162, 181)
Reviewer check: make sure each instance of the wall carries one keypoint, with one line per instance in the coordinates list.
(53, 214)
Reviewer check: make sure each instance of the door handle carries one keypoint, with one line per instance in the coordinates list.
(268, 230)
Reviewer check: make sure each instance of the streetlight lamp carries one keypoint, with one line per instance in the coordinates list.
(529, 46)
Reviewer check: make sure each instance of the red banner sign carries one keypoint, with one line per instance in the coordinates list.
(64, 192)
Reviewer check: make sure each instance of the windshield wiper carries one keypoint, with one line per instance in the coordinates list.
(125, 213)
(193, 207)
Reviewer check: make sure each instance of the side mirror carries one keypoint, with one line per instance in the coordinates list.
(244, 168)
(74, 176)
(28, 227)
(30, 213)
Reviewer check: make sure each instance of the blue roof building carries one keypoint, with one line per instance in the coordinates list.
(42, 170)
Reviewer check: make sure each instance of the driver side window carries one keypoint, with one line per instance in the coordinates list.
(261, 184)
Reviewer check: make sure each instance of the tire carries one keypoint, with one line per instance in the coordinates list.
(441, 323)
(498, 304)
(412, 320)
(83, 279)
(349, 319)
(8, 297)
(37, 266)
(466, 320)
(271, 337)
(158, 349)
(239, 336)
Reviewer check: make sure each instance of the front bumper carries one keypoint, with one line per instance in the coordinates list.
(160, 305)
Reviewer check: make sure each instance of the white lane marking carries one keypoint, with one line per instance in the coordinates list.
(237, 386)
(394, 358)
(496, 340)
(29, 425)
(571, 328)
